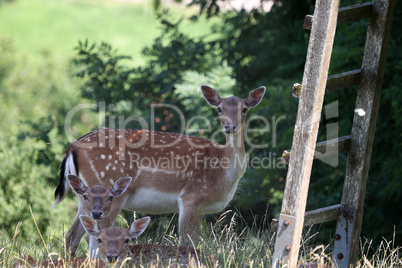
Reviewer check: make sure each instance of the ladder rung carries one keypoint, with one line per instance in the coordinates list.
(325, 148)
(314, 216)
(321, 215)
(343, 80)
(334, 82)
(345, 14)
(334, 146)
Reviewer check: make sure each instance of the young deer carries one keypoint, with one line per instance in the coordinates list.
(114, 248)
(113, 241)
(94, 201)
(176, 173)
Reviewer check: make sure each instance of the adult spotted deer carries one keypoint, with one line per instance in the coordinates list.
(96, 203)
(176, 173)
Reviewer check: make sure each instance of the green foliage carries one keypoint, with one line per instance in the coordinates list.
(35, 101)
(106, 78)
(135, 90)
(22, 185)
(7, 58)
(188, 95)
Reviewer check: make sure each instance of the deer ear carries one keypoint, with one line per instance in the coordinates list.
(77, 184)
(210, 95)
(255, 96)
(89, 225)
(139, 226)
(120, 186)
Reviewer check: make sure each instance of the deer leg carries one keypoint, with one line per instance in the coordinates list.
(189, 221)
(200, 217)
(76, 231)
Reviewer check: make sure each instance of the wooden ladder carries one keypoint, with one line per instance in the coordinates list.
(349, 212)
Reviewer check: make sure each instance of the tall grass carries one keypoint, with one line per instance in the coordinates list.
(225, 242)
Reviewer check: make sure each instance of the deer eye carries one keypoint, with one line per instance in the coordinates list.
(99, 241)
(127, 241)
(110, 198)
(219, 110)
(245, 110)
(85, 197)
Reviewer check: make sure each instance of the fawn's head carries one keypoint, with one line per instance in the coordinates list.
(113, 241)
(98, 198)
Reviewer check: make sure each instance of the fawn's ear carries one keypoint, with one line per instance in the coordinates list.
(77, 184)
(255, 96)
(139, 226)
(120, 186)
(210, 95)
(90, 225)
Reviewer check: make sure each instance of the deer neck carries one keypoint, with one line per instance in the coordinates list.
(235, 145)
(235, 152)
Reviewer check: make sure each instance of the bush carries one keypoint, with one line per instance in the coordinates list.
(35, 101)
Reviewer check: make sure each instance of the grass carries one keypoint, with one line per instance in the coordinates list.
(225, 243)
(56, 26)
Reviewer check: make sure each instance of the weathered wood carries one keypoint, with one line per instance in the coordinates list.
(324, 148)
(306, 128)
(343, 80)
(368, 98)
(334, 82)
(308, 21)
(346, 14)
(274, 225)
(332, 147)
(354, 12)
(314, 216)
(321, 215)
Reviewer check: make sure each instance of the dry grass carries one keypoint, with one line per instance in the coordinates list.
(224, 243)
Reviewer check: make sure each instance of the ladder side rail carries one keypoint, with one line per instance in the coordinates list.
(362, 136)
(305, 134)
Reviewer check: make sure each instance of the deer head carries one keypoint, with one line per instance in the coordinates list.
(98, 198)
(113, 241)
(232, 111)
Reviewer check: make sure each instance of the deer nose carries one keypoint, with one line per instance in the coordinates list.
(97, 214)
(112, 257)
(229, 129)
